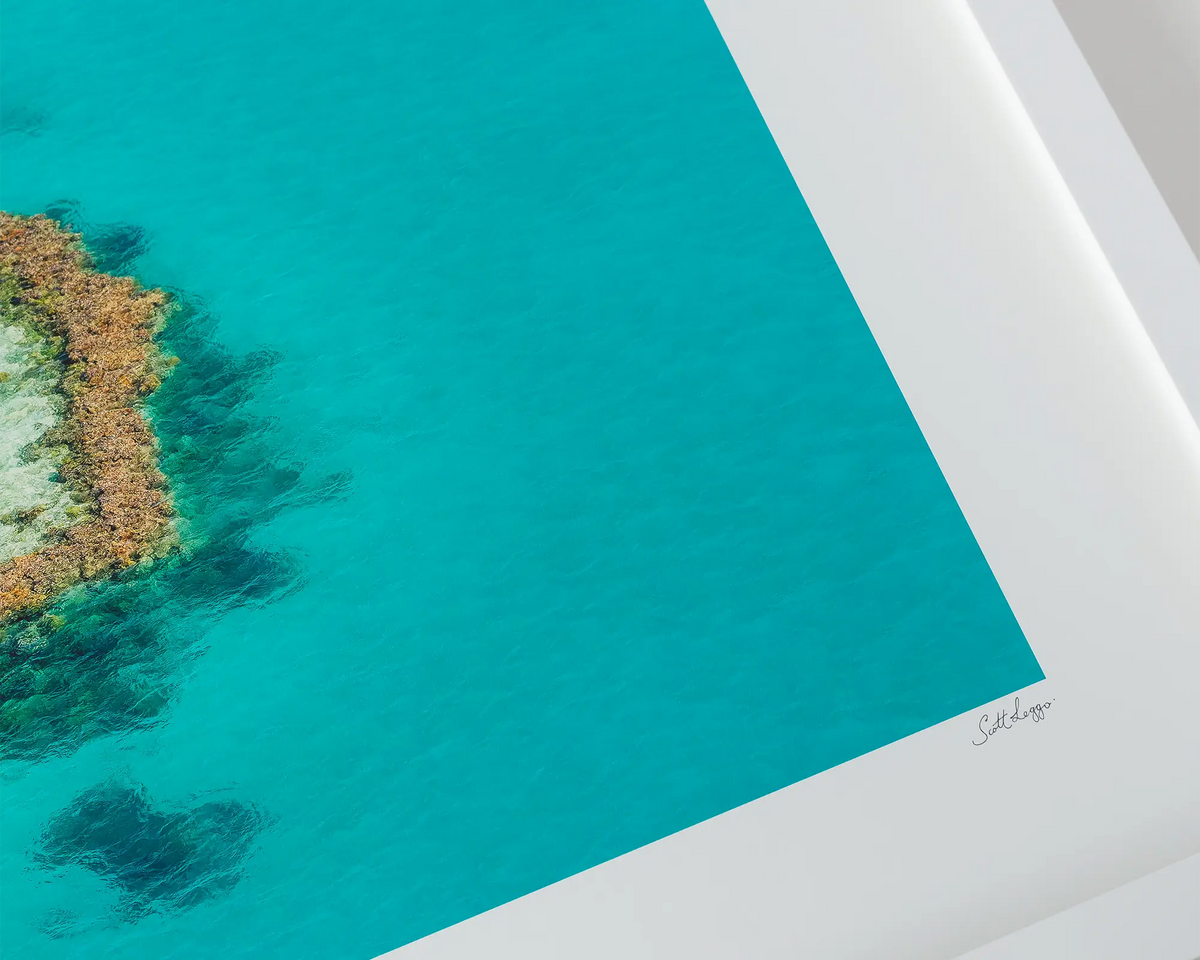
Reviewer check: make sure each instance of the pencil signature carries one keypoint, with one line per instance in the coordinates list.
(989, 726)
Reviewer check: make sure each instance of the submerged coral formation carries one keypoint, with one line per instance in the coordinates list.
(157, 858)
(98, 331)
(108, 659)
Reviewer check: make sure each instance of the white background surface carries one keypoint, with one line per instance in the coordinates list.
(1077, 466)
(1146, 56)
(1154, 918)
(1107, 178)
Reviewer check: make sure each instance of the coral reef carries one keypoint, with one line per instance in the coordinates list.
(108, 659)
(100, 330)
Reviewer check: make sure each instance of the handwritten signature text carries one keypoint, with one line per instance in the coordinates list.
(989, 726)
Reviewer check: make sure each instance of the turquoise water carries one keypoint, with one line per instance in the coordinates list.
(546, 490)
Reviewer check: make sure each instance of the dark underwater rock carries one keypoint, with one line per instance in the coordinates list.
(158, 858)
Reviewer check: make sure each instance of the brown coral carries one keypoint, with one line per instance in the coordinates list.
(110, 362)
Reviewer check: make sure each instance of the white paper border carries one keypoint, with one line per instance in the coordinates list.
(1076, 464)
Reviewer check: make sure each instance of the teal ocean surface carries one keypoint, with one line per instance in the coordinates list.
(546, 492)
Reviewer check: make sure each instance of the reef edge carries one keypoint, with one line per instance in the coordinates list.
(100, 330)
